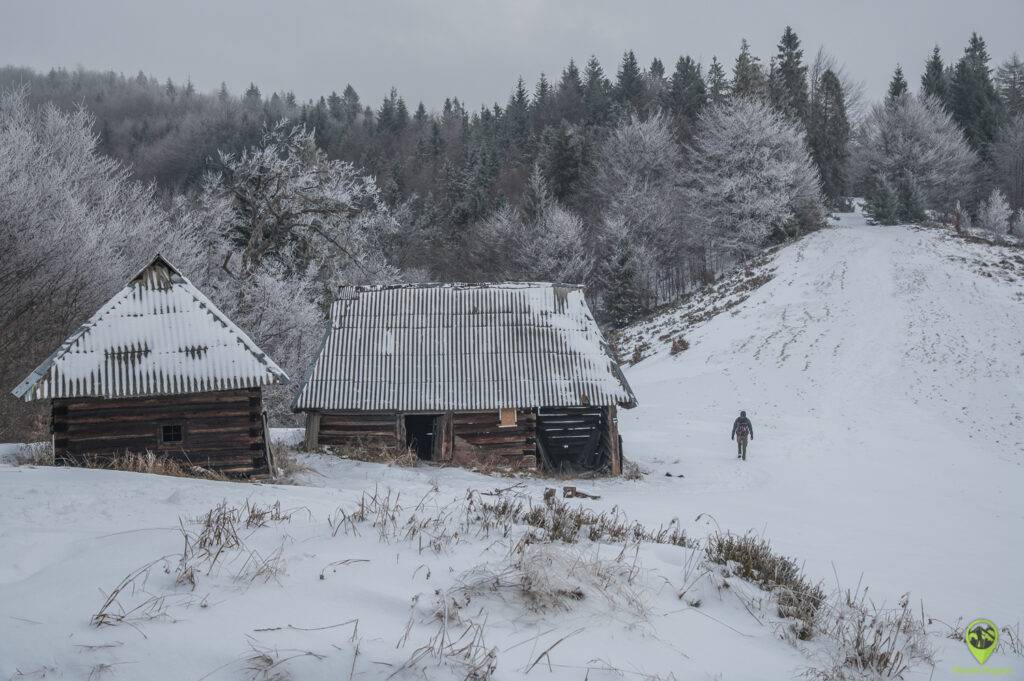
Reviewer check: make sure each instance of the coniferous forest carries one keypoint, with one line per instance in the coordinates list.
(640, 182)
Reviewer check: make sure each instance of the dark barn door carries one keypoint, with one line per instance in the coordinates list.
(572, 437)
(420, 434)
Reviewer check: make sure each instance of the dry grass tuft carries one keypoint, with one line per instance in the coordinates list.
(679, 345)
(557, 521)
(151, 463)
(871, 642)
(375, 451)
(753, 559)
(115, 610)
(457, 644)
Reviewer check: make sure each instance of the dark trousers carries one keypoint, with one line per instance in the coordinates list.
(741, 445)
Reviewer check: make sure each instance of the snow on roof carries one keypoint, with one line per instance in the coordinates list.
(462, 347)
(157, 336)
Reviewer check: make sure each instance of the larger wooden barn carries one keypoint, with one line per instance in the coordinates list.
(158, 369)
(516, 374)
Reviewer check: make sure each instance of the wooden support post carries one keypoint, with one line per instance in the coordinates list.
(445, 428)
(614, 450)
(312, 440)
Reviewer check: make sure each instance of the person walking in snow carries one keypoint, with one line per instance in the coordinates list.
(742, 428)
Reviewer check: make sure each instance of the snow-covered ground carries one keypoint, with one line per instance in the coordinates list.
(882, 368)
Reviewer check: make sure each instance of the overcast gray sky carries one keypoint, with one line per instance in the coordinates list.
(475, 49)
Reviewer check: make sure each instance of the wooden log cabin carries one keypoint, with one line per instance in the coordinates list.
(509, 374)
(158, 369)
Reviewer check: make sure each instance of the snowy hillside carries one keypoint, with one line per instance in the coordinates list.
(881, 368)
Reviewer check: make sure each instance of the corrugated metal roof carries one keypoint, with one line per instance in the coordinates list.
(158, 336)
(462, 347)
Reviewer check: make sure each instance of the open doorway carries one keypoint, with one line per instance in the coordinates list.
(420, 430)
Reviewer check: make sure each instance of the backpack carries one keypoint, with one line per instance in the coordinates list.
(742, 429)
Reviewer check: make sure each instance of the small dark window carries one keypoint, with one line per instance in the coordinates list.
(170, 434)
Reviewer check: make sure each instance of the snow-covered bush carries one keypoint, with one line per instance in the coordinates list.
(910, 156)
(751, 178)
(994, 214)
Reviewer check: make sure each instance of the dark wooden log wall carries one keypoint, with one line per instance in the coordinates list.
(464, 438)
(366, 428)
(477, 438)
(222, 431)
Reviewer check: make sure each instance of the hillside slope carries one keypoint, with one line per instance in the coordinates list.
(883, 369)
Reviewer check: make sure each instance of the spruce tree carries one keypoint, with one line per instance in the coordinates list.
(629, 84)
(562, 159)
(334, 106)
(517, 123)
(787, 77)
(570, 94)
(623, 290)
(974, 102)
(718, 85)
(897, 86)
(1010, 83)
(542, 107)
(934, 82)
(829, 136)
(596, 97)
(747, 76)
(788, 82)
(421, 115)
(881, 203)
(657, 69)
(687, 96)
(350, 104)
(252, 97)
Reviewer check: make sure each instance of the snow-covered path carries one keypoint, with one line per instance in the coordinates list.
(884, 373)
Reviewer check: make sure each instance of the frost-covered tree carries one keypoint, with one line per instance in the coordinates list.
(285, 206)
(912, 148)
(995, 214)
(1010, 83)
(751, 178)
(638, 185)
(1008, 161)
(542, 241)
(74, 228)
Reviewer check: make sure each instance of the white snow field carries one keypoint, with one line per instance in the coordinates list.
(882, 368)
